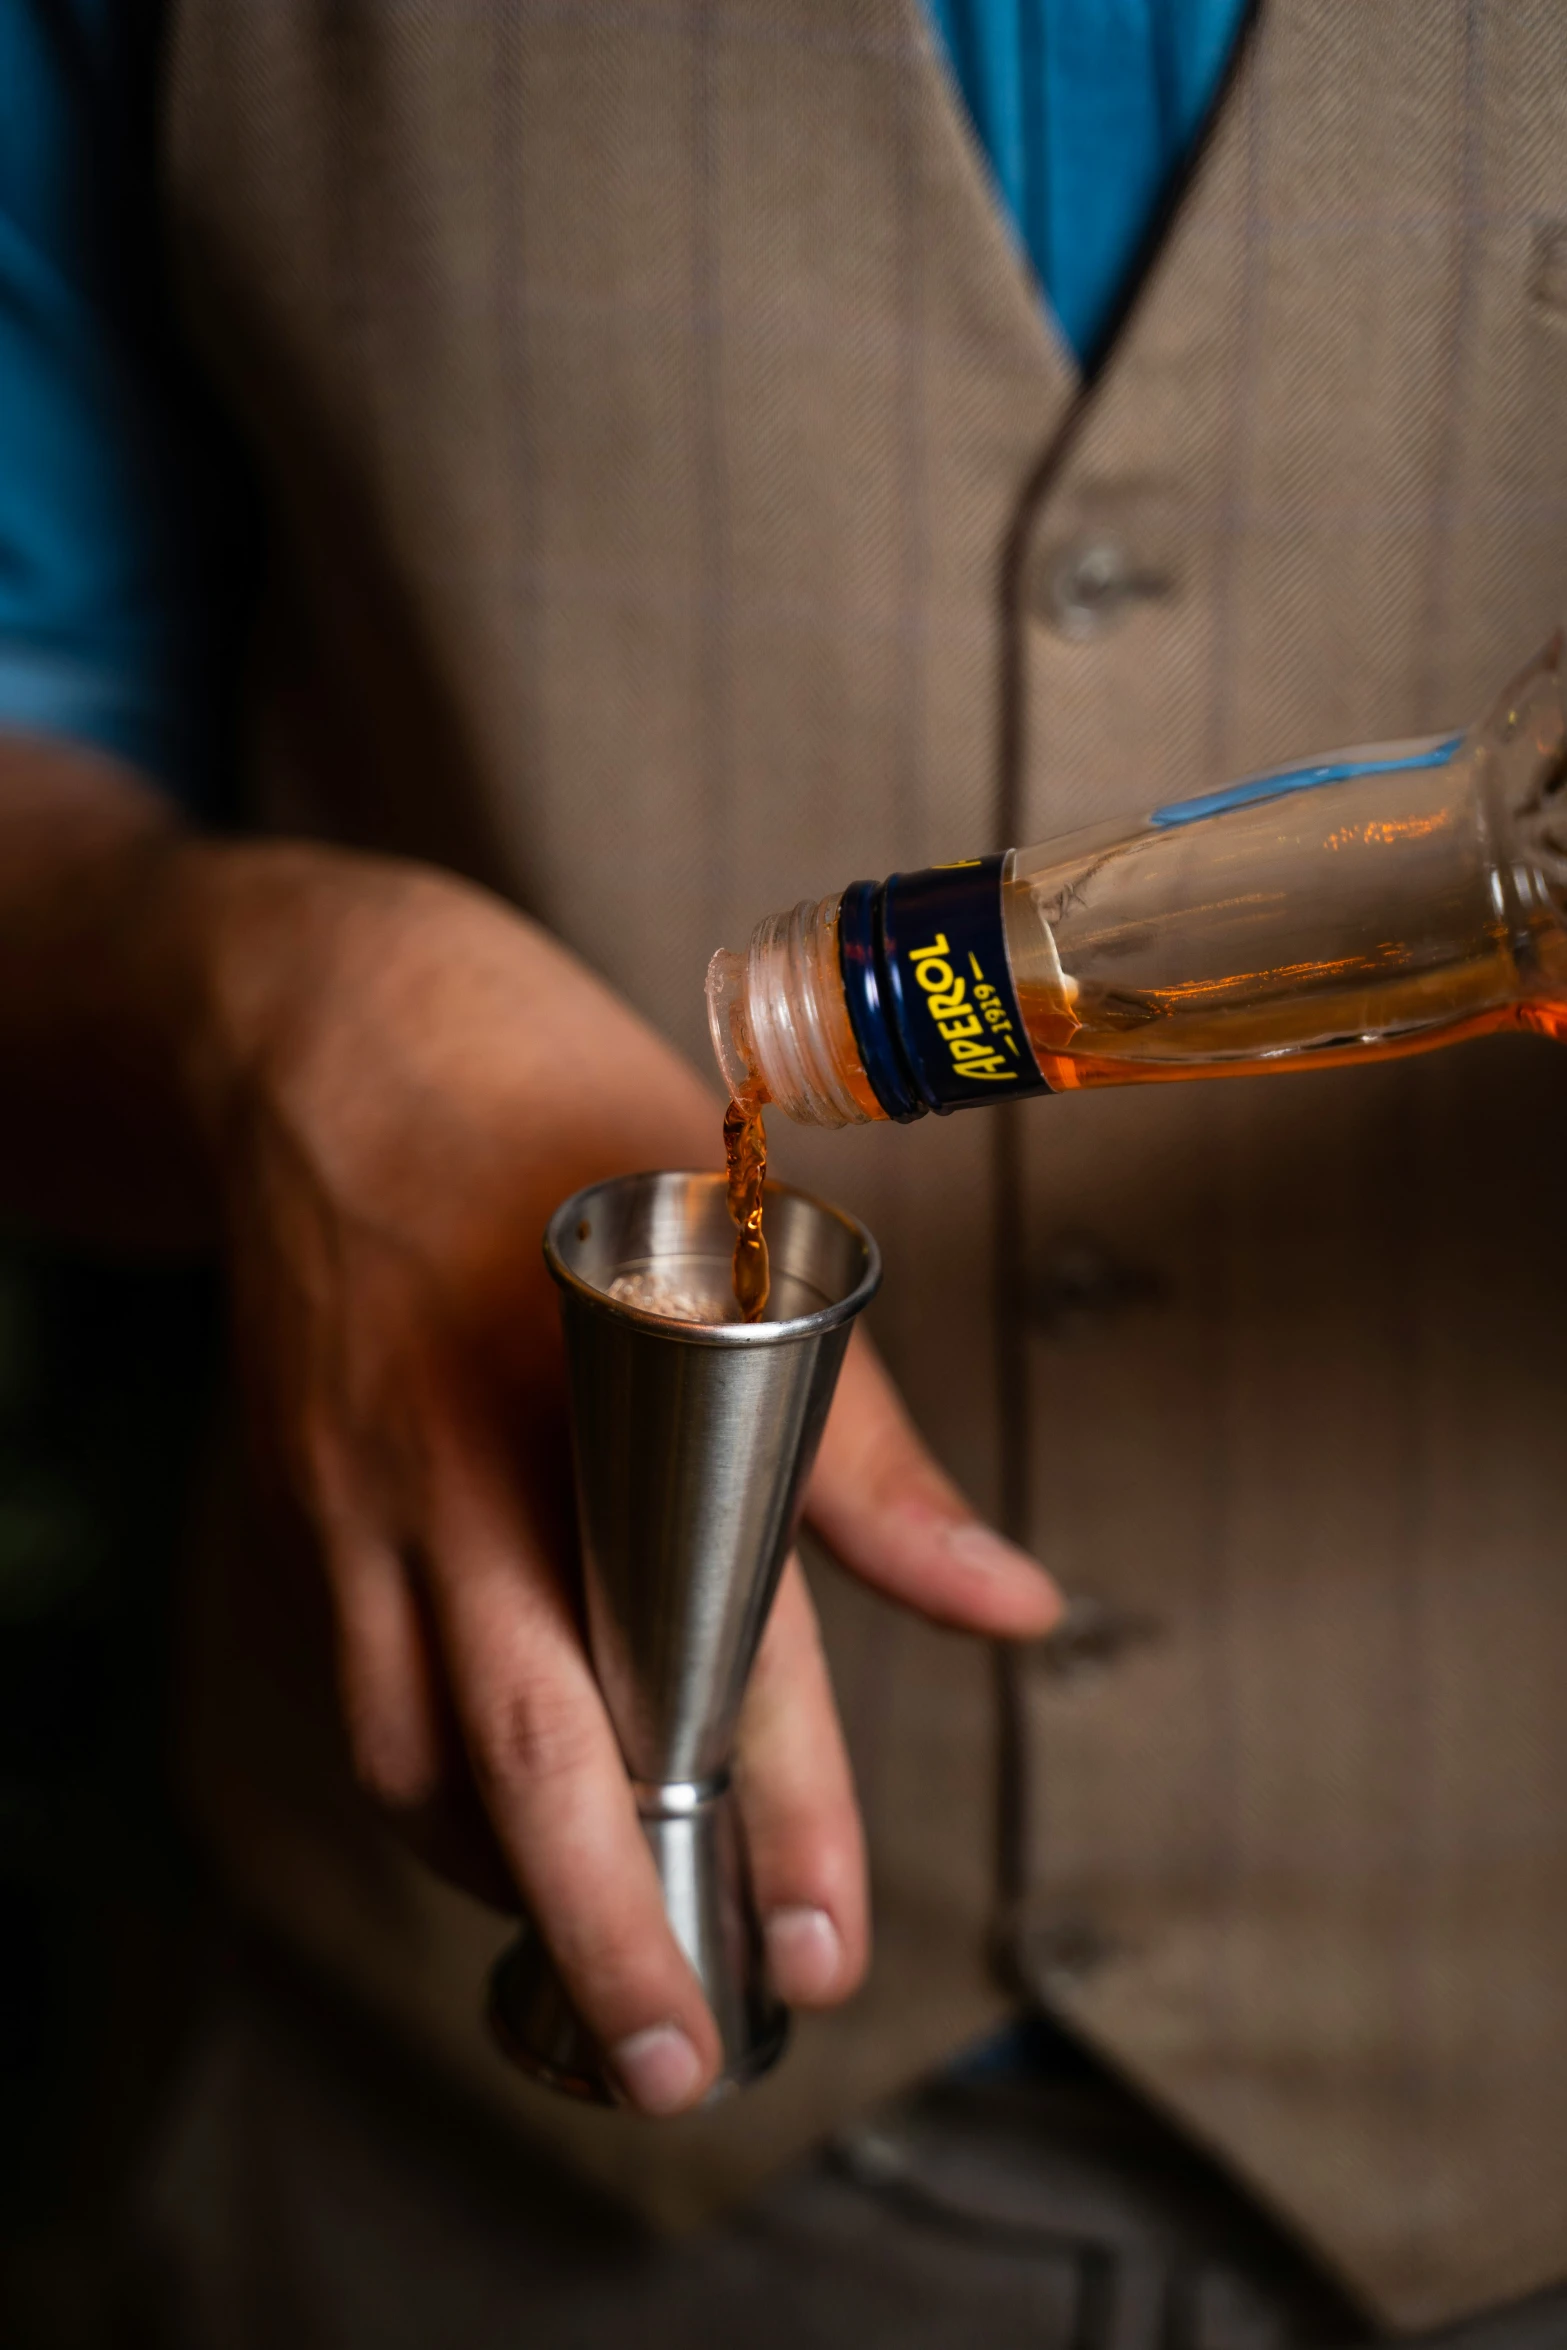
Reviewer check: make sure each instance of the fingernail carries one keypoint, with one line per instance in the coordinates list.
(658, 2069)
(977, 1545)
(804, 1953)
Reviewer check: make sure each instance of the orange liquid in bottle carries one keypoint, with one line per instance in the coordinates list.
(1371, 918)
(1207, 1048)
(745, 1152)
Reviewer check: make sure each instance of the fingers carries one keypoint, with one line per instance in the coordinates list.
(536, 1741)
(386, 1682)
(802, 1825)
(401, 1737)
(551, 1778)
(885, 1509)
(544, 1759)
(385, 1676)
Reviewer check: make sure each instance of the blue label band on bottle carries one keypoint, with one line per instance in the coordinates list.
(930, 992)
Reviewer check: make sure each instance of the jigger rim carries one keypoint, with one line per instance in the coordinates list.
(579, 1208)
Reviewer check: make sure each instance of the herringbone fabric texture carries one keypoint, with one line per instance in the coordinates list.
(678, 495)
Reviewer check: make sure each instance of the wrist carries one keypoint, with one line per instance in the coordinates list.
(255, 941)
(314, 987)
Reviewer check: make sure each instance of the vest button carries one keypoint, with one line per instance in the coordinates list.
(1082, 1284)
(1093, 1635)
(875, 2154)
(1086, 587)
(1055, 1954)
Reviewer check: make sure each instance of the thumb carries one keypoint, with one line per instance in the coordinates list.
(891, 1516)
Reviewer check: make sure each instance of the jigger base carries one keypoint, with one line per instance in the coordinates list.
(695, 1837)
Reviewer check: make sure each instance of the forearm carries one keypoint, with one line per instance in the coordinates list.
(144, 971)
(99, 1142)
(159, 991)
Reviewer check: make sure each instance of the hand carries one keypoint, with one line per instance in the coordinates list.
(402, 1079)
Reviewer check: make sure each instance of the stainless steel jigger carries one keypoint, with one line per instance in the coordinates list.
(692, 1443)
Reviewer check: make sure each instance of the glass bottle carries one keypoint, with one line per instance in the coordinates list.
(1375, 901)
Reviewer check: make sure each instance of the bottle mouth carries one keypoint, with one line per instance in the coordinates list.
(779, 1027)
(729, 1026)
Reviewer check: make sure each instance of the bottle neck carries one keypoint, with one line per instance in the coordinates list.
(780, 1025)
(890, 1001)
(929, 988)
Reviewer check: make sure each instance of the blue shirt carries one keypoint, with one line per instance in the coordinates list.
(1086, 110)
(120, 552)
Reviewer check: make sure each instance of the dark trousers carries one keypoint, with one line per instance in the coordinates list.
(307, 2186)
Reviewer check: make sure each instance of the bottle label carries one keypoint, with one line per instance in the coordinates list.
(930, 992)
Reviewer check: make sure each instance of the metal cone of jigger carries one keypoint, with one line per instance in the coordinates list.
(692, 1443)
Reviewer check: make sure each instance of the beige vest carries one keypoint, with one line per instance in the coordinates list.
(681, 506)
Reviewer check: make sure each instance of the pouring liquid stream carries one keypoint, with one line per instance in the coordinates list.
(745, 1153)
